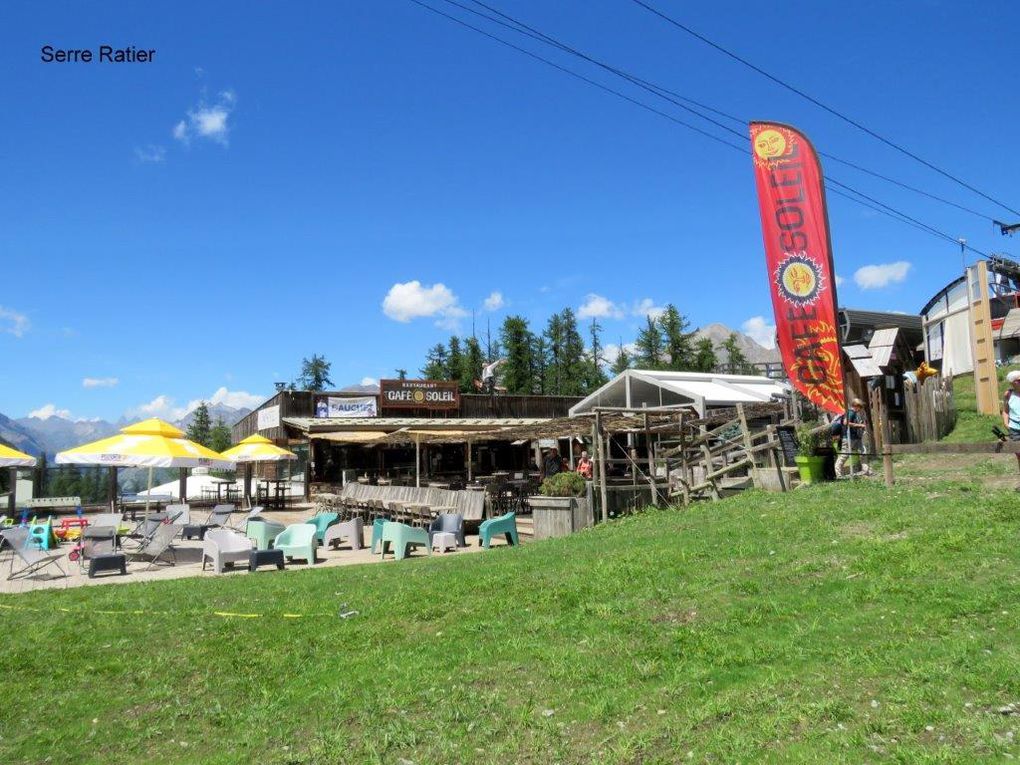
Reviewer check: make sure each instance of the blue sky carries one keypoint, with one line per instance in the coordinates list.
(191, 228)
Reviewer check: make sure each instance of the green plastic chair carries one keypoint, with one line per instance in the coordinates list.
(321, 522)
(263, 532)
(42, 534)
(377, 527)
(501, 524)
(402, 537)
(297, 541)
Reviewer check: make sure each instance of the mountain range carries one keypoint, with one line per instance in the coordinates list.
(752, 350)
(35, 435)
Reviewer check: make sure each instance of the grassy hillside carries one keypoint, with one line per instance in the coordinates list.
(838, 624)
(971, 426)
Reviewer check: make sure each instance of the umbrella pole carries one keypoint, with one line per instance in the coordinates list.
(247, 484)
(148, 496)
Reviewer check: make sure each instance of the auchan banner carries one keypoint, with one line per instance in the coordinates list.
(795, 226)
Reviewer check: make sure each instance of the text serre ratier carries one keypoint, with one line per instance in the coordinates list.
(106, 54)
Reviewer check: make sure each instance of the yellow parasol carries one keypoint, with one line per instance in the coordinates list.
(256, 448)
(150, 443)
(12, 458)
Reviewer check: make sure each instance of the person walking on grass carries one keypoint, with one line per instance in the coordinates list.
(854, 425)
(1011, 409)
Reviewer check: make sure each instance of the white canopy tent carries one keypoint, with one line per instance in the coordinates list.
(636, 388)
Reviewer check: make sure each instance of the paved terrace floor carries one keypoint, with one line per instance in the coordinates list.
(189, 560)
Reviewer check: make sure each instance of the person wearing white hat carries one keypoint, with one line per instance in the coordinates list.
(1011, 408)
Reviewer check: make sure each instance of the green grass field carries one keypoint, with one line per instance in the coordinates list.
(838, 623)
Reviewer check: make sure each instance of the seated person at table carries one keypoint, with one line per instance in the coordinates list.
(552, 463)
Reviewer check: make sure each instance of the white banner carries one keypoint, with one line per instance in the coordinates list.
(346, 406)
(269, 417)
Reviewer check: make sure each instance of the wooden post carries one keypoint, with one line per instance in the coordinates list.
(887, 461)
(112, 489)
(603, 491)
(775, 456)
(651, 463)
(707, 454)
(749, 446)
(417, 461)
(595, 473)
(182, 484)
(247, 483)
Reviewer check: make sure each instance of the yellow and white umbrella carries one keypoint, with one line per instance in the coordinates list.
(12, 458)
(256, 448)
(150, 443)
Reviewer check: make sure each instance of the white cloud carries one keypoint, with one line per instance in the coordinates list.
(760, 331)
(162, 406)
(369, 381)
(413, 300)
(166, 408)
(878, 276)
(50, 410)
(495, 301)
(598, 307)
(647, 307)
(150, 153)
(839, 280)
(13, 323)
(209, 121)
(99, 382)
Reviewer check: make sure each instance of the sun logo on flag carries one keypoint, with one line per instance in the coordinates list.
(799, 279)
(769, 144)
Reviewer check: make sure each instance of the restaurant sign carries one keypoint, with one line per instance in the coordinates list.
(419, 394)
(268, 418)
(346, 406)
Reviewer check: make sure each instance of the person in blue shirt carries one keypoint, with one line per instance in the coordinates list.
(1011, 408)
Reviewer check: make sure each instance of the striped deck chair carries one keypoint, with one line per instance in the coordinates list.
(160, 546)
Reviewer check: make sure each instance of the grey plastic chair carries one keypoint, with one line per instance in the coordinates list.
(353, 531)
(452, 523)
(33, 559)
(223, 546)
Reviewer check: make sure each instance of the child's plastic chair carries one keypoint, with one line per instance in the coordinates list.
(42, 534)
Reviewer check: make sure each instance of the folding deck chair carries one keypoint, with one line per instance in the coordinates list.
(159, 545)
(32, 558)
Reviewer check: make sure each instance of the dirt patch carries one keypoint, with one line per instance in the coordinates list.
(675, 617)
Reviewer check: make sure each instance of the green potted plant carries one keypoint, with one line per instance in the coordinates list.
(561, 507)
(810, 439)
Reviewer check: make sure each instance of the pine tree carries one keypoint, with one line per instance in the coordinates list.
(735, 358)
(454, 360)
(705, 359)
(543, 376)
(471, 368)
(594, 374)
(573, 358)
(220, 436)
(650, 349)
(679, 354)
(622, 361)
(314, 374)
(518, 373)
(436, 363)
(549, 353)
(200, 428)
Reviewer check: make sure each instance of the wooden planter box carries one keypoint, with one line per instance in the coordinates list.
(559, 516)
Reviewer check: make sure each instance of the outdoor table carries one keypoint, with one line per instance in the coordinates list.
(274, 495)
(440, 509)
(474, 487)
(439, 485)
(384, 482)
(443, 540)
(258, 558)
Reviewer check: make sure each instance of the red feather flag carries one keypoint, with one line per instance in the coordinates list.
(795, 226)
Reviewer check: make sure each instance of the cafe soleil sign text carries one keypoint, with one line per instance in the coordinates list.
(419, 394)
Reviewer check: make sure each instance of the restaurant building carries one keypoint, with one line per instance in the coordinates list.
(340, 436)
